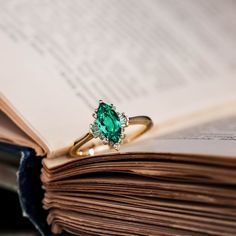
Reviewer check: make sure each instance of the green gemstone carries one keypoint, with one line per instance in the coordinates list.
(108, 123)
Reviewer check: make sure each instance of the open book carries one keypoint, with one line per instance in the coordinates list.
(172, 61)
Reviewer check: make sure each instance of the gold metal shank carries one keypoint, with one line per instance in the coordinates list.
(77, 150)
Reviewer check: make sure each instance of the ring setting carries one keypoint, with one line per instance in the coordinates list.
(109, 125)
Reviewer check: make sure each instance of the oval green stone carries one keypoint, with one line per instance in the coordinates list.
(108, 123)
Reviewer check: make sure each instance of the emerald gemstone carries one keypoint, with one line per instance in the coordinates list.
(108, 123)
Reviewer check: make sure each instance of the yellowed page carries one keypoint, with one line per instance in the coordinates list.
(11, 133)
(215, 138)
(212, 139)
(164, 59)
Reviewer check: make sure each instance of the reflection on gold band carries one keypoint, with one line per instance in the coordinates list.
(81, 146)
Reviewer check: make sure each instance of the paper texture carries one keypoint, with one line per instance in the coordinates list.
(161, 59)
(10, 133)
(214, 138)
(137, 194)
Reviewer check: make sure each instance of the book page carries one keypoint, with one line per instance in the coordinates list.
(164, 59)
(10, 133)
(214, 138)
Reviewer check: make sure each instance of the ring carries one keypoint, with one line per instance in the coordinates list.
(109, 126)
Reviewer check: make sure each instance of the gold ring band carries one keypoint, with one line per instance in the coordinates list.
(77, 149)
(109, 127)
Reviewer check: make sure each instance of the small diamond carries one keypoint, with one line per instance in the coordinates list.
(123, 120)
(94, 130)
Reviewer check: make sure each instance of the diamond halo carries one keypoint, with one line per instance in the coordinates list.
(109, 125)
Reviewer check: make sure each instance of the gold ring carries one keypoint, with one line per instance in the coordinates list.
(109, 126)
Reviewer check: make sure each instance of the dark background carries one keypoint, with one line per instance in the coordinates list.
(11, 220)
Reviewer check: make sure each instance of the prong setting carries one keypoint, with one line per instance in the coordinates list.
(94, 115)
(116, 146)
(113, 107)
(105, 141)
